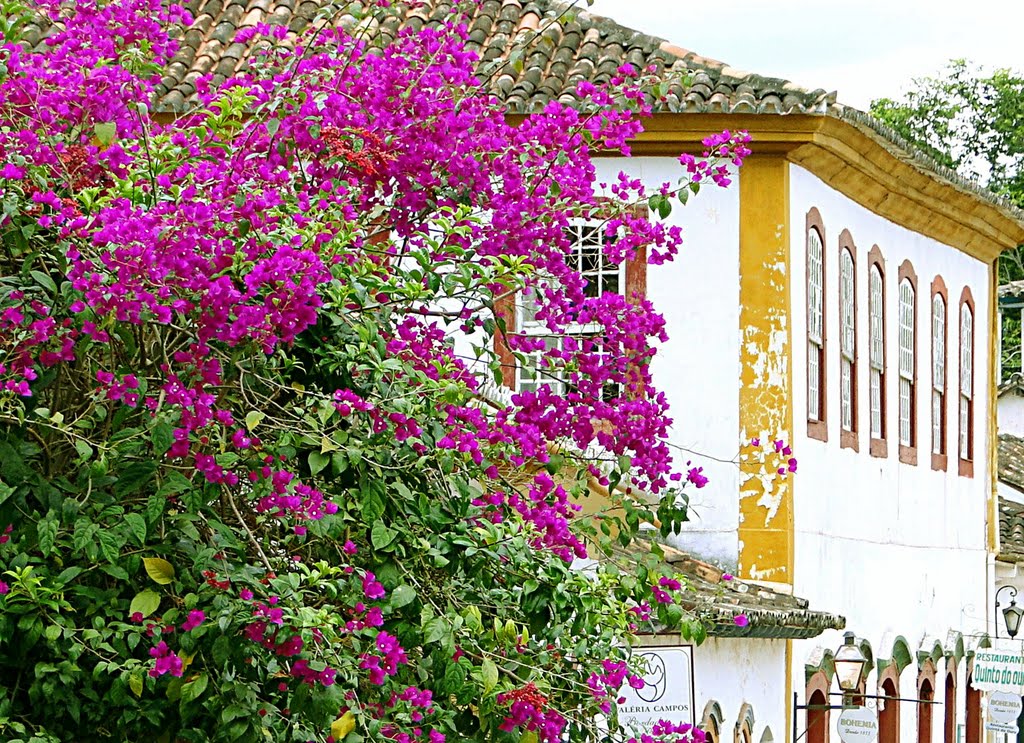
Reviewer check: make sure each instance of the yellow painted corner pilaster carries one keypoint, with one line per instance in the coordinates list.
(765, 410)
(993, 407)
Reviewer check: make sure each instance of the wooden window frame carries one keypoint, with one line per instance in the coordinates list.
(849, 439)
(817, 429)
(965, 466)
(634, 290)
(940, 460)
(878, 447)
(908, 454)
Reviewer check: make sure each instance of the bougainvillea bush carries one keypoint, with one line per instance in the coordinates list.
(252, 488)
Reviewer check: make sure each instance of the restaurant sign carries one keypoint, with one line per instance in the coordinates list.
(667, 693)
(999, 670)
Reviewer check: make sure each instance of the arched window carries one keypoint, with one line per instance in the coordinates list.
(908, 363)
(949, 704)
(876, 351)
(817, 721)
(972, 712)
(925, 693)
(745, 725)
(889, 706)
(816, 386)
(966, 427)
(939, 356)
(847, 343)
(711, 724)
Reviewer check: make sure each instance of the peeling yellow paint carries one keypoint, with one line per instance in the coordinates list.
(766, 500)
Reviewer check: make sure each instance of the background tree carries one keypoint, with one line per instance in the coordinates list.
(971, 121)
(252, 486)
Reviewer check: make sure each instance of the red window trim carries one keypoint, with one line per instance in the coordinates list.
(818, 429)
(635, 289)
(940, 461)
(966, 466)
(849, 439)
(879, 447)
(908, 454)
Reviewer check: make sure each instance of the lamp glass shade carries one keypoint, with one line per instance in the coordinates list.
(1013, 614)
(849, 661)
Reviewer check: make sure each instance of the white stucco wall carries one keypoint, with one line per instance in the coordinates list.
(1010, 412)
(698, 293)
(898, 549)
(734, 672)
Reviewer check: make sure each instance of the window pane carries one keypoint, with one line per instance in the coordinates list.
(906, 330)
(877, 314)
(846, 395)
(876, 404)
(965, 427)
(938, 445)
(814, 285)
(906, 395)
(813, 381)
(847, 329)
(938, 343)
(966, 351)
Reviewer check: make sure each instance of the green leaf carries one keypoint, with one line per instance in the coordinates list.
(134, 477)
(47, 530)
(195, 688)
(44, 281)
(253, 418)
(434, 630)
(105, 133)
(159, 570)
(137, 526)
(145, 603)
(317, 462)
(163, 437)
(489, 675)
(402, 596)
(381, 536)
(135, 683)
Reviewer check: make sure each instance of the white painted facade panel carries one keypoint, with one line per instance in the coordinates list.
(898, 549)
(698, 369)
(1011, 413)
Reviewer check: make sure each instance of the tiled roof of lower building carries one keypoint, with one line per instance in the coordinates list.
(770, 613)
(1011, 513)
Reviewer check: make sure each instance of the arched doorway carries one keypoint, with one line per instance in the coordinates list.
(889, 708)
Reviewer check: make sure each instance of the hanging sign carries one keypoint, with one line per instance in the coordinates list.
(667, 693)
(858, 725)
(1003, 710)
(999, 670)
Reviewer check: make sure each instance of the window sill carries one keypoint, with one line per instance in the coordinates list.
(908, 454)
(879, 448)
(966, 468)
(817, 430)
(849, 440)
(939, 462)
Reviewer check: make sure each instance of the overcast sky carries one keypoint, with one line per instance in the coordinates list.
(865, 49)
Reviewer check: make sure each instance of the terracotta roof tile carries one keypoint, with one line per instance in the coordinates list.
(1011, 514)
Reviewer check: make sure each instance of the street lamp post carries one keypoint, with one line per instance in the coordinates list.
(1012, 614)
(849, 662)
